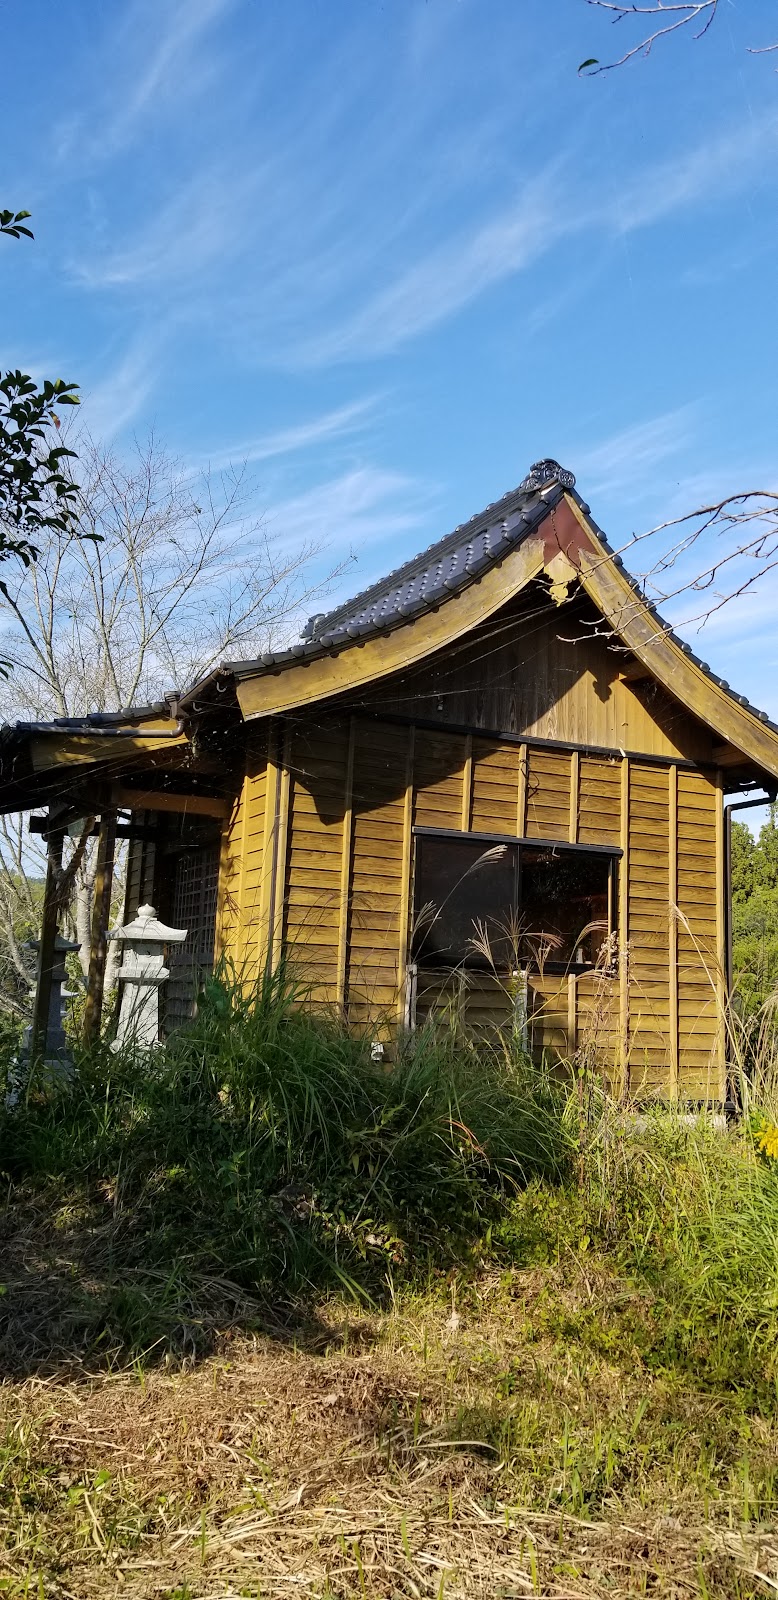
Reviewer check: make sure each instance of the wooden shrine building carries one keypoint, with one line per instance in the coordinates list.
(495, 778)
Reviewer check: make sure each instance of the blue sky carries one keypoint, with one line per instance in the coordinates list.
(392, 251)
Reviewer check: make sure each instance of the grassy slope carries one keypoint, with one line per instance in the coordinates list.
(552, 1375)
(505, 1437)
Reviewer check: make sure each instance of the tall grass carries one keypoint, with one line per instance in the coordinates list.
(685, 1211)
(263, 1145)
(263, 1154)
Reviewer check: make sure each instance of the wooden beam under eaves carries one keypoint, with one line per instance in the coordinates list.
(195, 805)
(725, 755)
(635, 672)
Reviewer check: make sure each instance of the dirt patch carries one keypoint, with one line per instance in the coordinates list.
(443, 1449)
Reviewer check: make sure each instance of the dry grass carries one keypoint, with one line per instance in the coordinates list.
(489, 1439)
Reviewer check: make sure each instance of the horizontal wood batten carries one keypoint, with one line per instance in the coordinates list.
(611, 753)
(512, 838)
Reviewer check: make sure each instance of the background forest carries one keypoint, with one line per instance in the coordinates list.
(755, 912)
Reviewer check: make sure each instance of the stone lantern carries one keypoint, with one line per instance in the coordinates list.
(57, 1058)
(141, 975)
(57, 1049)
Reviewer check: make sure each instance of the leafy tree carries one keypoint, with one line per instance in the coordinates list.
(755, 948)
(743, 863)
(755, 912)
(766, 853)
(37, 494)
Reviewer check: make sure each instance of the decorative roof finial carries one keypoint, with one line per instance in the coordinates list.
(549, 471)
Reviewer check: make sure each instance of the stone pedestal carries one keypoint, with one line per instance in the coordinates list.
(141, 976)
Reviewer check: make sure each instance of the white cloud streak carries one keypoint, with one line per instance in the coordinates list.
(193, 230)
(626, 462)
(462, 268)
(444, 281)
(151, 64)
(352, 511)
(118, 398)
(343, 422)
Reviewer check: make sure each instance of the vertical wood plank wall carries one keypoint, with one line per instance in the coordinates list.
(141, 862)
(332, 828)
(243, 866)
(700, 1041)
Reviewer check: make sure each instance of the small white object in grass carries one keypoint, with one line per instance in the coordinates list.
(376, 1050)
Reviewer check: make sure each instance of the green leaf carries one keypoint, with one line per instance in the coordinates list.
(591, 62)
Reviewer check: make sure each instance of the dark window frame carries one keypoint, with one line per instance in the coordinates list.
(612, 853)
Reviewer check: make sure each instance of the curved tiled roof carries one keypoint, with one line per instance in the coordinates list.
(446, 568)
(428, 579)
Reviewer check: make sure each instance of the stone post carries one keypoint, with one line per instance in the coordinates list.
(141, 976)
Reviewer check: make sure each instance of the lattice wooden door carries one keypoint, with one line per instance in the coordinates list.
(194, 908)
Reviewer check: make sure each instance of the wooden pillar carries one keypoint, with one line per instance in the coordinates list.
(673, 931)
(280, 843)
(720, 967)
(467, 784)
(345, 866)
(624, 1042)
(101, 917)
(46, 950)
(572, 980)
(405, 1009)
(521, 794)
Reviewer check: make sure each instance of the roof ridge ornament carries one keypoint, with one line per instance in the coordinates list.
(548, 471)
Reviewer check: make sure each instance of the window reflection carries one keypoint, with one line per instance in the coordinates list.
(493, 906)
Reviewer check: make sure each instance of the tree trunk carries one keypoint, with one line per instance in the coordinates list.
(83, 919)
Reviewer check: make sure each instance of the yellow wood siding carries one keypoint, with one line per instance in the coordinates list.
(699, 971)
(438, 779)
(599, 800)
(647, 932)
(317, 764)
(495, 786)
(227, 909)
(541, 671)
(548, 794)
(239, 934)
(251, 934)
(378, 871)
(342, 858)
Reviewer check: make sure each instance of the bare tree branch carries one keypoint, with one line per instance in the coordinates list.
(746, 523)
(163, 576)
(668, 18)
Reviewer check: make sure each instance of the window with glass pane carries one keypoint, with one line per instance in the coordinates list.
(564, 905)
(465, 894)
(482, 905)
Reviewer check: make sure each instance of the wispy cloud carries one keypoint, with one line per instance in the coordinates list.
(343, 422)
(445, 280)
(152, 62)
(170, 62)
(353, 511)
(717, 164)
(626, 462)
(553, 207)
(115, 401)
(194, 228)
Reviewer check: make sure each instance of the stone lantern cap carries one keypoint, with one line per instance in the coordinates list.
(62, 946)
(147, 929)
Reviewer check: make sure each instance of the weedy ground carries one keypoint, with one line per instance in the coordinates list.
(276, 1324)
